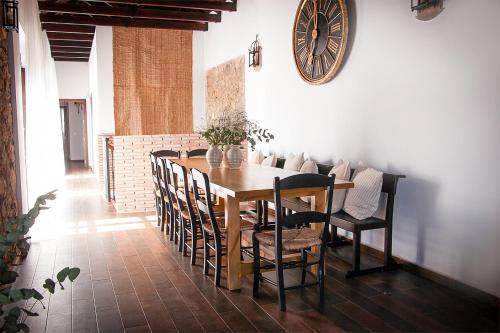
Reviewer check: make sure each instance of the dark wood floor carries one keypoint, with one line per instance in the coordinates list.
(134, 280)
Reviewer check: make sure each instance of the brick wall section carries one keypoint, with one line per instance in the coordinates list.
(133, 184)
(8, 201)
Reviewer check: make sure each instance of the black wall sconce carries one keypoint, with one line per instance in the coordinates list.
(426, 9)
(255, 54)
(10, 15)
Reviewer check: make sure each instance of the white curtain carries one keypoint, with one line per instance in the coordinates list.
(44, 147)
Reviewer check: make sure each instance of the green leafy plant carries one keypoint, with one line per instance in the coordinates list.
(233, 128)
(14, 246)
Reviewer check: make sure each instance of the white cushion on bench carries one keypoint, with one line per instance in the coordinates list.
(308, 167)
(256, 157)
(294, 162)
(271, 161)
(362, 201)
(342, 171)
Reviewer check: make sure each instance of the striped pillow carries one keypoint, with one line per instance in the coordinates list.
(362, 201)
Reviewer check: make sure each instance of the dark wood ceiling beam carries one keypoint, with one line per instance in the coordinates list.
(70, 55)
(69, 43)
(70, 49)
(70, 28)
(71, 59)
(130, 12)
(69, 36)
(123, 22)
(205, 5)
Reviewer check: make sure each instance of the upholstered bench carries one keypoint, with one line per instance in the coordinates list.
(346, 222)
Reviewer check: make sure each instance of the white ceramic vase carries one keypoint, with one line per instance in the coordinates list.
(234, 157)
(214, 157)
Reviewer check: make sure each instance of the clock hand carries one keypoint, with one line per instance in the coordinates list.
(314, 33)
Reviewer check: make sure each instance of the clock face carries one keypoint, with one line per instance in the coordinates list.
(319, 38)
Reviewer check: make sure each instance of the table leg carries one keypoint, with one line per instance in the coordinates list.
(232, 209)
(319, 206)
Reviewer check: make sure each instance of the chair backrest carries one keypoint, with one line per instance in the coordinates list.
(164, 179)
(171, 182)
(182, 190)
(196, 153)
(303, 181)
(201, 189)
(167, 153)
(154, 168)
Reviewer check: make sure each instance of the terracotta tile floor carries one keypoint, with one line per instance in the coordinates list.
(133, 280)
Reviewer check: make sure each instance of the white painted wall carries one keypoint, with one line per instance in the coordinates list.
(101, 88)
(72, 79)
(417, 98)
(76, 142)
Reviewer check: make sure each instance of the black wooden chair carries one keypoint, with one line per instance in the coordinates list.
(173, 184)
(159, 200)
(290, 234)
(196, 153)
(190, 228)
(345, 221)
(213, 225)
(167, 198)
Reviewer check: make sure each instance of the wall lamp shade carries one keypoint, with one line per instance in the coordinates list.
(255, 54)
(10, 17)
(426, 9)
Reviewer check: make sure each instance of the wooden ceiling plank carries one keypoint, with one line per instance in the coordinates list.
(69, 36)
(68, 28)
(204, 5)
(130, 12)
(71, 59)
(70, 55)
(123, 22)
(71, 49)
(70, 43)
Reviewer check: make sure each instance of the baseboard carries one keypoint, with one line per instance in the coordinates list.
(439, 278)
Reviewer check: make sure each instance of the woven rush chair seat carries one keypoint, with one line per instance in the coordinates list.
(244, 225)
(293, 239)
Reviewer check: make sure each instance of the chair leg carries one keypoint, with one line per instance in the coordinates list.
(258, 205)
(256, 265)
(281, 283)
(194, 244)
(183, 233)
(356, 245)
(176, 229)
(321, 274)
(172, 225)
(304, 267)
(206, 254)
(265, 213)
(167, 219)
(158, 213)
(388, 247)
(180, 231)
(218, 261)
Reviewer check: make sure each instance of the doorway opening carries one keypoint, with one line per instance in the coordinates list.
(74, 133)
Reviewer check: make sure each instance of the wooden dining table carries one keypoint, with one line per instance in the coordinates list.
(249, 183)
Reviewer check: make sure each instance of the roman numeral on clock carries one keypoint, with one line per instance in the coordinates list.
(333, 46)
(303, 56)
(332, 10)
(334, 27)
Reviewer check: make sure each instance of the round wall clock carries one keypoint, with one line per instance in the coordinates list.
(319, 38)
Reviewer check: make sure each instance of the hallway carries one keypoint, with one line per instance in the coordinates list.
(134, 280)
